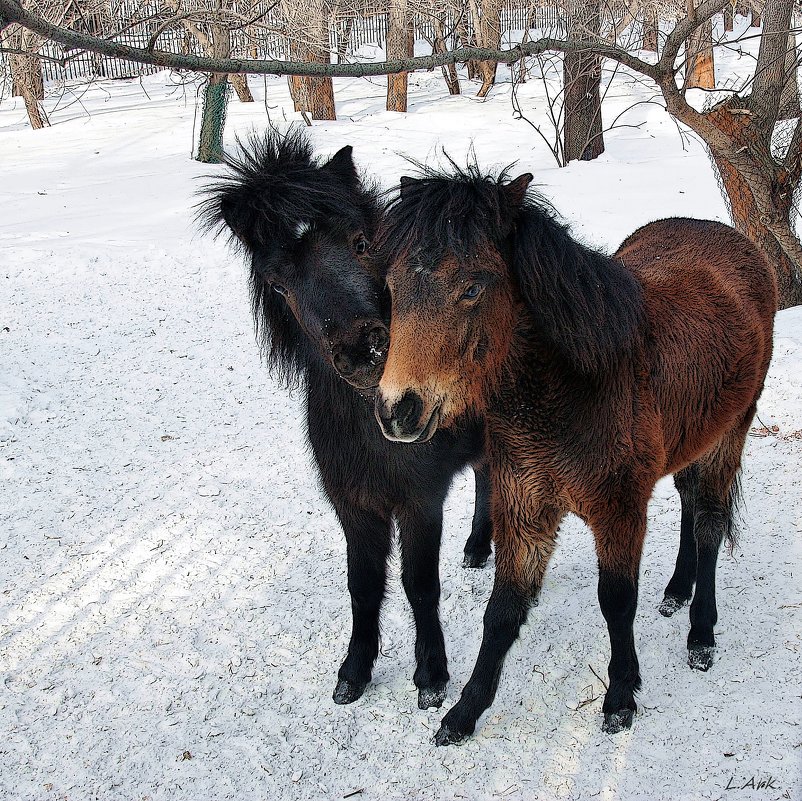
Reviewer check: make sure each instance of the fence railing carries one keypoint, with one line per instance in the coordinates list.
(346, 37)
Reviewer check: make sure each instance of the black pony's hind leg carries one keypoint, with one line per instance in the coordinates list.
(477, 547)
(421, 529)
(680, 588)
(716, 503)
(368, 537)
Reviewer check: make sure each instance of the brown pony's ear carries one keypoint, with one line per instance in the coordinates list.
(406, 184)
(516, 190)
(342, 165)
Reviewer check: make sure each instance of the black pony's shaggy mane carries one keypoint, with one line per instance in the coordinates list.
(273, 185)
(588, 305)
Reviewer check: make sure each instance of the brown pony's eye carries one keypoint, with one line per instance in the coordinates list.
(280, 289)
(360, 245)
(472, 292)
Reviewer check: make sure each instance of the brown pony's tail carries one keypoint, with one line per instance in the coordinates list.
(735, 501)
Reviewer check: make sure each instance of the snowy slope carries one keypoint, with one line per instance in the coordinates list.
(173, 604)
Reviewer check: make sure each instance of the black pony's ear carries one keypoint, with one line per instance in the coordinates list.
(240, 216)
(516, 190)
(406, 182)
(342, 165)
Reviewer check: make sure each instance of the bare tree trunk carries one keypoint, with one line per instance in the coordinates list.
(699, 68)
(582, 130)
(760, 184)
(240, 84)
(449, 70)
(26, 76)
(789, 100)
(398, 20)
(215, 101)
(344, 40)
(729, 18)
(466, 41)
(489, 36)
(650, 28)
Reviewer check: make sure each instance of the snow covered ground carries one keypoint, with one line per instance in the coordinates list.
(173, 604)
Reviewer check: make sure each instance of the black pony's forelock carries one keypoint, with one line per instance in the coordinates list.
(274, 184)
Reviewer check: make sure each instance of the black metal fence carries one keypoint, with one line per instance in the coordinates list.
(346, 36)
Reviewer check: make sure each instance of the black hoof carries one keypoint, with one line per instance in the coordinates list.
(346, 692)
(615, 722)
(670, 604)
(445, 736)
(474, 559)
(429, 697)
(700, 657)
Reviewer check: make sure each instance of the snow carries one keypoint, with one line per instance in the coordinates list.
(173, 604)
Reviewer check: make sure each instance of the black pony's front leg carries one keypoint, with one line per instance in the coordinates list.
(421, 529)
(477, 547)
(367, 537)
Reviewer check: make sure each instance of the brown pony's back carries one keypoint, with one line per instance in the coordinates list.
(703, 282)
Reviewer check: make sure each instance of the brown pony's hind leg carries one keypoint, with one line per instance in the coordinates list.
(716, 500)
(619, 542)
(680, 588)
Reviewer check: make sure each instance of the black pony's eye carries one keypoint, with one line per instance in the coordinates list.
(280, 289)
(361, 245)
(472, 292)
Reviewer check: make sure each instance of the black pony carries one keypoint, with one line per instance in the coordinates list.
(321, 308)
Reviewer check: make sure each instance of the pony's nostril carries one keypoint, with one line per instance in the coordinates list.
(342, 364)
(378, 340)
(407, 412)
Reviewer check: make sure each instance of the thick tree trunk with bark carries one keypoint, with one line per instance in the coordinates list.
(760, 183)
(398, 22)
(489, 35)
(309, 42)
(789, 100)
(699, 68)
(582, 129)
(215, 101)
(26, 77)
(240, 84)
(760, 197)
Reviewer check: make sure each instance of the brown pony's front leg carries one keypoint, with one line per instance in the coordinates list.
(524, 535)
(619, 541)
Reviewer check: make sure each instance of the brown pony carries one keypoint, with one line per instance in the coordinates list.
(597, 376)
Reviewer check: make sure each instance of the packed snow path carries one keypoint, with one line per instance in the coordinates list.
(173, 604)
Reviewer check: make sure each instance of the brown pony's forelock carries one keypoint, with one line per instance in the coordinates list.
(587, 305)
(440, 211)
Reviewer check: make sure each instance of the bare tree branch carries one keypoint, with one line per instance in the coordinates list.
(11, 11)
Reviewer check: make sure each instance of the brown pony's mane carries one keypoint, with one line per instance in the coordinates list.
(587, 305)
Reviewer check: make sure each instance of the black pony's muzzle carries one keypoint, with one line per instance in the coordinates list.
(360, 359)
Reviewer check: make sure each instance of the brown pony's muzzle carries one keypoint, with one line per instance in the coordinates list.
(406, 419)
